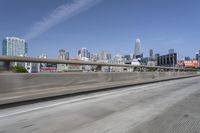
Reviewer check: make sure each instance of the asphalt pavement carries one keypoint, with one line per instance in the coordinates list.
(164, 107)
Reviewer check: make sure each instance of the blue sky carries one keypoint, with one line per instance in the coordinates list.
(110, 25)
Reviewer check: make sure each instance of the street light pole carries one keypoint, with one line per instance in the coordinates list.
(199, 59)
(173, 64)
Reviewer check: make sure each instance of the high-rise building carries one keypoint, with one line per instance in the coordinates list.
(156, 57)
(127, 57)
(67, 55)
(199, 60)
(43, 56)
(137, 48)
(88, 55)
(171, 51)
(83, 52)
(151, 53)
(104, 56)
(187, 58)
(169, 60)
(118, 59)
(63, 55)
(13, 46)
(94, 57)
(131, 56)
(197, 56)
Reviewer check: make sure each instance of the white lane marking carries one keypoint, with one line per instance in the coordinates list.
(119, 92)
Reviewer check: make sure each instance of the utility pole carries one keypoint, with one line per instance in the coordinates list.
(173, 64)
(199, 59)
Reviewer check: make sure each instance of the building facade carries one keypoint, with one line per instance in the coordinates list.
(104, 56)
(187, 58)
(199, 59)
(197, 56)
(151, 54)
(13, 46)
(171, 51)
(83, 53)
(137, 51)
(63, 55)
(169, 60)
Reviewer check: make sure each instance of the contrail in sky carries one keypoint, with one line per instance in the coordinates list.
(58, 15)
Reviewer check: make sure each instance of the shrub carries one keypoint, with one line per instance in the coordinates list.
(20, 69)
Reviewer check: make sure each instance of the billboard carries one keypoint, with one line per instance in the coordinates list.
(46, 67)
(189, 64)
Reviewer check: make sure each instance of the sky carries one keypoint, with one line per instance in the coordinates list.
(108, 25)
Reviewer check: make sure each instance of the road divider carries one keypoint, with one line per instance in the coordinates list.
(16, 88)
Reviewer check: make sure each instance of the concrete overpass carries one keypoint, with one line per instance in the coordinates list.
(8, 59)
(126, 102)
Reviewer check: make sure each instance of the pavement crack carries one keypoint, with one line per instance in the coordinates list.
(27, 126)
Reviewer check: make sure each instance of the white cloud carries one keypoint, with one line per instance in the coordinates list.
(59, 15)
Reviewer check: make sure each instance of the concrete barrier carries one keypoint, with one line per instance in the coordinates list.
(20, 87)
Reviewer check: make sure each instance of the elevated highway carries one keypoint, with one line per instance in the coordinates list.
(127, 102)
(8, 59)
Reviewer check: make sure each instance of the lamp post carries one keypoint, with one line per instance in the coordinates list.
(173, 64)
(199, 59)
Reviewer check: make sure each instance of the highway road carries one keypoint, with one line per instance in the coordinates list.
(164, 107)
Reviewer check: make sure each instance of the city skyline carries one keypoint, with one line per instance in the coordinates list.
(13, 44)
(89, 26)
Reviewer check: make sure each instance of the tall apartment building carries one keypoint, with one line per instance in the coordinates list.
(63, 55)
(137, 49)
(151, 54)
(104, 56)
(13, 46)
(83, 52)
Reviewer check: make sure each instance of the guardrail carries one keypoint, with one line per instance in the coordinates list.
(25, 87)
(55, 61)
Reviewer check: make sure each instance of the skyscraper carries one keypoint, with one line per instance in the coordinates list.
(151, 53)
(187, 58)
(13, 46)
(83, 53)
(171, 51)
(67, 55)
(199, 59)
(63, 55)
(94, 57)
(104, 56)
(197, 56)
(137, 47)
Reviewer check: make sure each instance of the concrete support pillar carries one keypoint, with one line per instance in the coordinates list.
(109, 68)
(7, 65)
(99, 68)
(133, 69)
